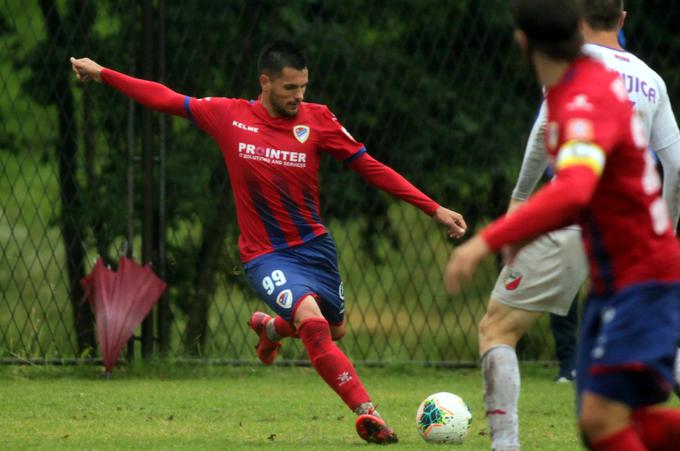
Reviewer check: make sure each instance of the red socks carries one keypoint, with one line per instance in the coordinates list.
(659, 428)
(284, 328)
(331, 363)
(654, 429)
(626, 439)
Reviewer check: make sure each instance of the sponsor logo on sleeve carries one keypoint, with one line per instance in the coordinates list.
(301, 133)
(580, 103)
(579, 130)
(285, 299)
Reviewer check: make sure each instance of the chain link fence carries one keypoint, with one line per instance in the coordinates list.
(436, 89)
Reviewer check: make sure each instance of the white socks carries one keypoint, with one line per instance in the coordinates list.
(500, 371)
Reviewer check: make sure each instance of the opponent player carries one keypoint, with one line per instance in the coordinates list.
(272, 147)
(606, 182)
(547, 274)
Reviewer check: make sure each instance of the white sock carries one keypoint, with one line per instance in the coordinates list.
(500, 371)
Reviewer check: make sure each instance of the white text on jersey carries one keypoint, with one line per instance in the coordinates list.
(243, 126)
(272, 156)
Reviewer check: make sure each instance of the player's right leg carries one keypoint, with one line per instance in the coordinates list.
(544, 277)
(499, 331)
(336, 369)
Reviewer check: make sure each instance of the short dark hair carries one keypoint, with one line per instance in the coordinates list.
(601, 15)
(279, 54)
(551, 26)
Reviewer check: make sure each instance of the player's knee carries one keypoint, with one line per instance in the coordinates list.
(306, 309)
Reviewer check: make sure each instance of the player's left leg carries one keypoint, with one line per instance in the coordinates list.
(336, 369)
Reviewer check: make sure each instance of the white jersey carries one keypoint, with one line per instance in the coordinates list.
(647, 91)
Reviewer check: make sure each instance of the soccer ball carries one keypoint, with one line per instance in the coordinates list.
(443, 418)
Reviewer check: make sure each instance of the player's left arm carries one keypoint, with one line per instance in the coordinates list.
(341, 144)
(665, 140)
(670, 161)
(387, 179)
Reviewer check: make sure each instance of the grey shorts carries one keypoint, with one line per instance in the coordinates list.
(546, 274)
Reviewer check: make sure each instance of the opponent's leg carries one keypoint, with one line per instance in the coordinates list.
(499, 330)
(336, 369)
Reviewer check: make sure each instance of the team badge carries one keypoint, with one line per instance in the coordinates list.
(301, 133)
(285, 299)
(513, 280)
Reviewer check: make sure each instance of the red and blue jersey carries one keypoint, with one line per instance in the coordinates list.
(606, 181)
(273, 162)
(273, 165)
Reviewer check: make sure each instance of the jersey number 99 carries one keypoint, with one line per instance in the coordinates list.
(276, 280)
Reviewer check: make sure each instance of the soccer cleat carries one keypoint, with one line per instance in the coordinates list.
(373, 429)
(266, 349)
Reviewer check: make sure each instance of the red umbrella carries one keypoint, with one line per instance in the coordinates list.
(120, 301)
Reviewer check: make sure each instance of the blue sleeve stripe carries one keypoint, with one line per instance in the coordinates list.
(359, 153)
(187, 108)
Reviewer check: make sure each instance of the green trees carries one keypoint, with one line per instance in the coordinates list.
(436, 89)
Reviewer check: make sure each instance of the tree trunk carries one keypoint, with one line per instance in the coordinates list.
(68, 186)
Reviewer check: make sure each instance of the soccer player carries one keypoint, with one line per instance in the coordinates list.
(548, 273)
(607, 183)
(272, 147)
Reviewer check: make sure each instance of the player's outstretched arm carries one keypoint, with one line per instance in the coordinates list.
(148, 93)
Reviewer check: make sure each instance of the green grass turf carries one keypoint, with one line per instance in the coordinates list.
(250, 407)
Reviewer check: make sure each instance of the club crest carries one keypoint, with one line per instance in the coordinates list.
(285, 299)
(513, 280)
(301, 133)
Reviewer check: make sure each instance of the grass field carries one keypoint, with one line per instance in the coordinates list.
(250, 407)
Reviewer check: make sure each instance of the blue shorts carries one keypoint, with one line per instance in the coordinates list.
(628, 344)
(283, 278)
